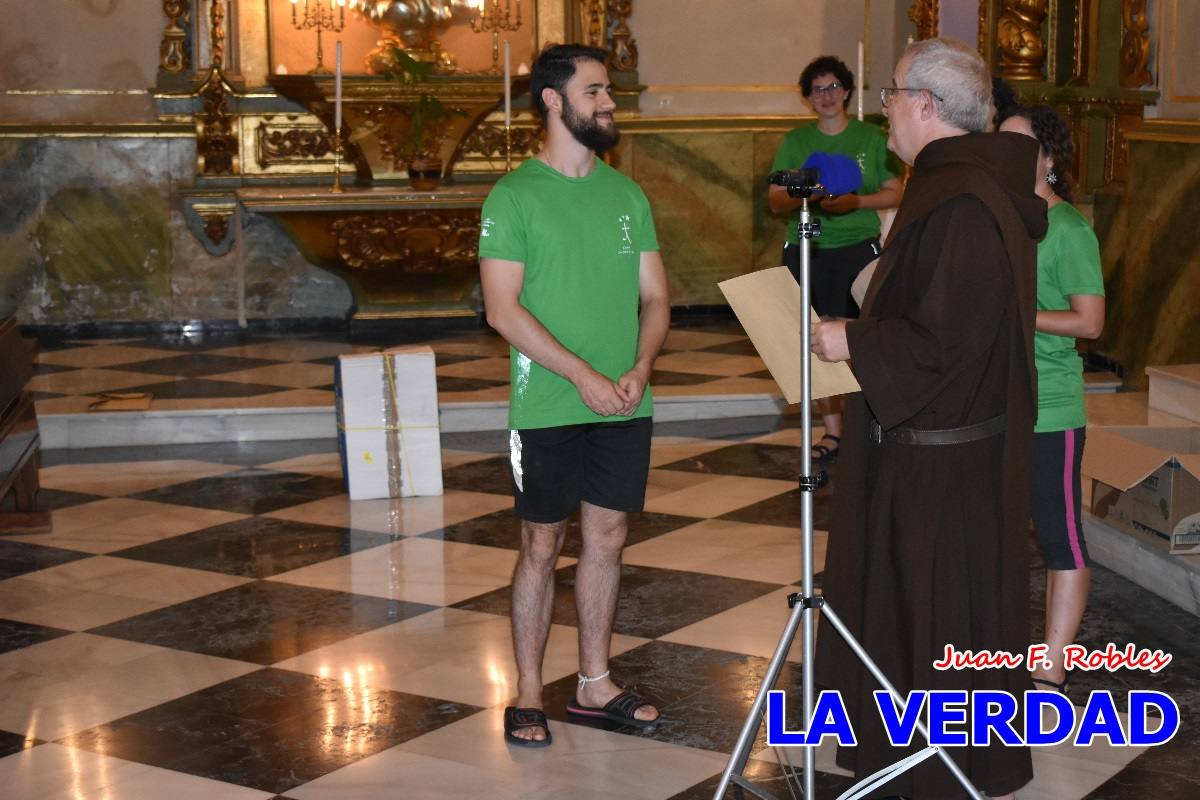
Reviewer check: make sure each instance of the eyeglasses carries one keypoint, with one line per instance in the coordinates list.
(888, 92)
(833, 87)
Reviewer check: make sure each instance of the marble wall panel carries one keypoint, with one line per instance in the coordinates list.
(770, 230)
(709, 196)
(102, 231)
(280, 283)
(20, 209)
(93, 230)
(699, 185)
(1151, 259)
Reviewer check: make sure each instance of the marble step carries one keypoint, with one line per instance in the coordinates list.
(142, 428)
(1096, 382)
(1176, 579)
(1176, 390)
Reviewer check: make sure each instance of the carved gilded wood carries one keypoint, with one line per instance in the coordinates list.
(1135, 44)
(216, 137)
(924, 14)
(606, 25)
(411, 242)
(173, 54)
(1019, 40)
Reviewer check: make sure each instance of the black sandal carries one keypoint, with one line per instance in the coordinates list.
(826, 455)
(1061, 688)
(516, 719)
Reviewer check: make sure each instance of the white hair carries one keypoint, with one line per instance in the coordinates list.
(957, 75)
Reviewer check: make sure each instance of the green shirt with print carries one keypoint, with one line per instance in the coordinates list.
(1068, 260)
(864, 143)
(581, 241)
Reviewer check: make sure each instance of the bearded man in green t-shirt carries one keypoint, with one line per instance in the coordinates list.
(572, 278)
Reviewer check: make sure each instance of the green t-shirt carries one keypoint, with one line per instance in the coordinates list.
(865, 144)
(1068, 260)
(581, 241)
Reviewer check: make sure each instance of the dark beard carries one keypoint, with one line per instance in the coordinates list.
(587, 131)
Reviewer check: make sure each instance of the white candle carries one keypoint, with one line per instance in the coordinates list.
(337, 90)
(507, 86)
(861, 80)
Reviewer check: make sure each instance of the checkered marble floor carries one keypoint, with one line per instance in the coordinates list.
(220, 621)
(250, 370)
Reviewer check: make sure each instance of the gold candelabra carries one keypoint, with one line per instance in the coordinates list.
(491, 17)
(320, 15)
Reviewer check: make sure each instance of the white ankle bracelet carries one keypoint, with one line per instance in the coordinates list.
(584, 680)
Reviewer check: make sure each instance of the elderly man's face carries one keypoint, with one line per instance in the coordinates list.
(903, 113)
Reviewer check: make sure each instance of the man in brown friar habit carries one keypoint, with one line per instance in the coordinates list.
(928, 541)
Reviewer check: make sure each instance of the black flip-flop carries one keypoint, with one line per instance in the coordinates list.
(620, 709)
(516, 719)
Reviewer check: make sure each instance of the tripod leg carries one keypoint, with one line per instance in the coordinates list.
(741, 751)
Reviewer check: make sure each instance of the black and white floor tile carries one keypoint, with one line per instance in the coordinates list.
(220, 621)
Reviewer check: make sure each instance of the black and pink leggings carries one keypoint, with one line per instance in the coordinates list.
(1056, 457)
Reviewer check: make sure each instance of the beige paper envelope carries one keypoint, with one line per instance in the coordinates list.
(767, 303)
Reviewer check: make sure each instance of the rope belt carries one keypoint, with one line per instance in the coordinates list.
(967, 433)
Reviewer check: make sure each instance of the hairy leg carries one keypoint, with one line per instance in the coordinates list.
(532, 604)
(597, 580)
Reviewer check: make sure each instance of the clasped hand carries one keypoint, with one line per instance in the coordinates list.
(610, 398)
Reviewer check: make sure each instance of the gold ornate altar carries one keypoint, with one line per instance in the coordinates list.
(403, 253)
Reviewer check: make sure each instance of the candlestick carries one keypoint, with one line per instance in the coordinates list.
(320, 16)
(337, 89)
(491, 18)
(860, 80)
(507, 85)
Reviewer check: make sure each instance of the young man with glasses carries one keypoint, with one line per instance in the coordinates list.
(849, 237)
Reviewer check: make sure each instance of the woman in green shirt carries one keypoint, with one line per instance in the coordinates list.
(1070, 301)
(849, 237)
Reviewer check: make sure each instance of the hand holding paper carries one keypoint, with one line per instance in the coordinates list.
(767, 303)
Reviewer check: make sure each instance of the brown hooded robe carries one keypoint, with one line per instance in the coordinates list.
(928, 543)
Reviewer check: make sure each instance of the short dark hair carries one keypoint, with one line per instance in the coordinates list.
(827, 65)
(1054, 137)
(554, 67)
(1004, 98)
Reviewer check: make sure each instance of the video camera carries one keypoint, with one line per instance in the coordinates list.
(803, 182)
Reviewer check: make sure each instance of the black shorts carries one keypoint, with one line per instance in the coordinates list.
(602, 463)
(832, 272)
(1056, 457)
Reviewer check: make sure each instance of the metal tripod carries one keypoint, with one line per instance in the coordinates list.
(805, 604)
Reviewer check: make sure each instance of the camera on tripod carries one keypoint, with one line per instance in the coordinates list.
(802, 182)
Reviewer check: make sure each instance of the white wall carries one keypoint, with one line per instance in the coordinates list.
(702, 57)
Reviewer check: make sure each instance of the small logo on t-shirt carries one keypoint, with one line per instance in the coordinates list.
(861, 158)
(485, 227)
(626, 242)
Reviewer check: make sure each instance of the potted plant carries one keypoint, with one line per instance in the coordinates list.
(426, 121)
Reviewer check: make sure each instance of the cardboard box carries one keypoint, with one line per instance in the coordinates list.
(387, 415)
(1147, 483)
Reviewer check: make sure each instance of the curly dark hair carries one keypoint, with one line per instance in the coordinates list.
(1054, 136)
(827, 65)
(1004, 99)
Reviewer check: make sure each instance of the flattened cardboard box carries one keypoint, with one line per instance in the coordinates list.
(1147, 483)
(387, 415)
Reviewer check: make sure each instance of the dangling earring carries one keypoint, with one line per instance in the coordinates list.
(1051, 178)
